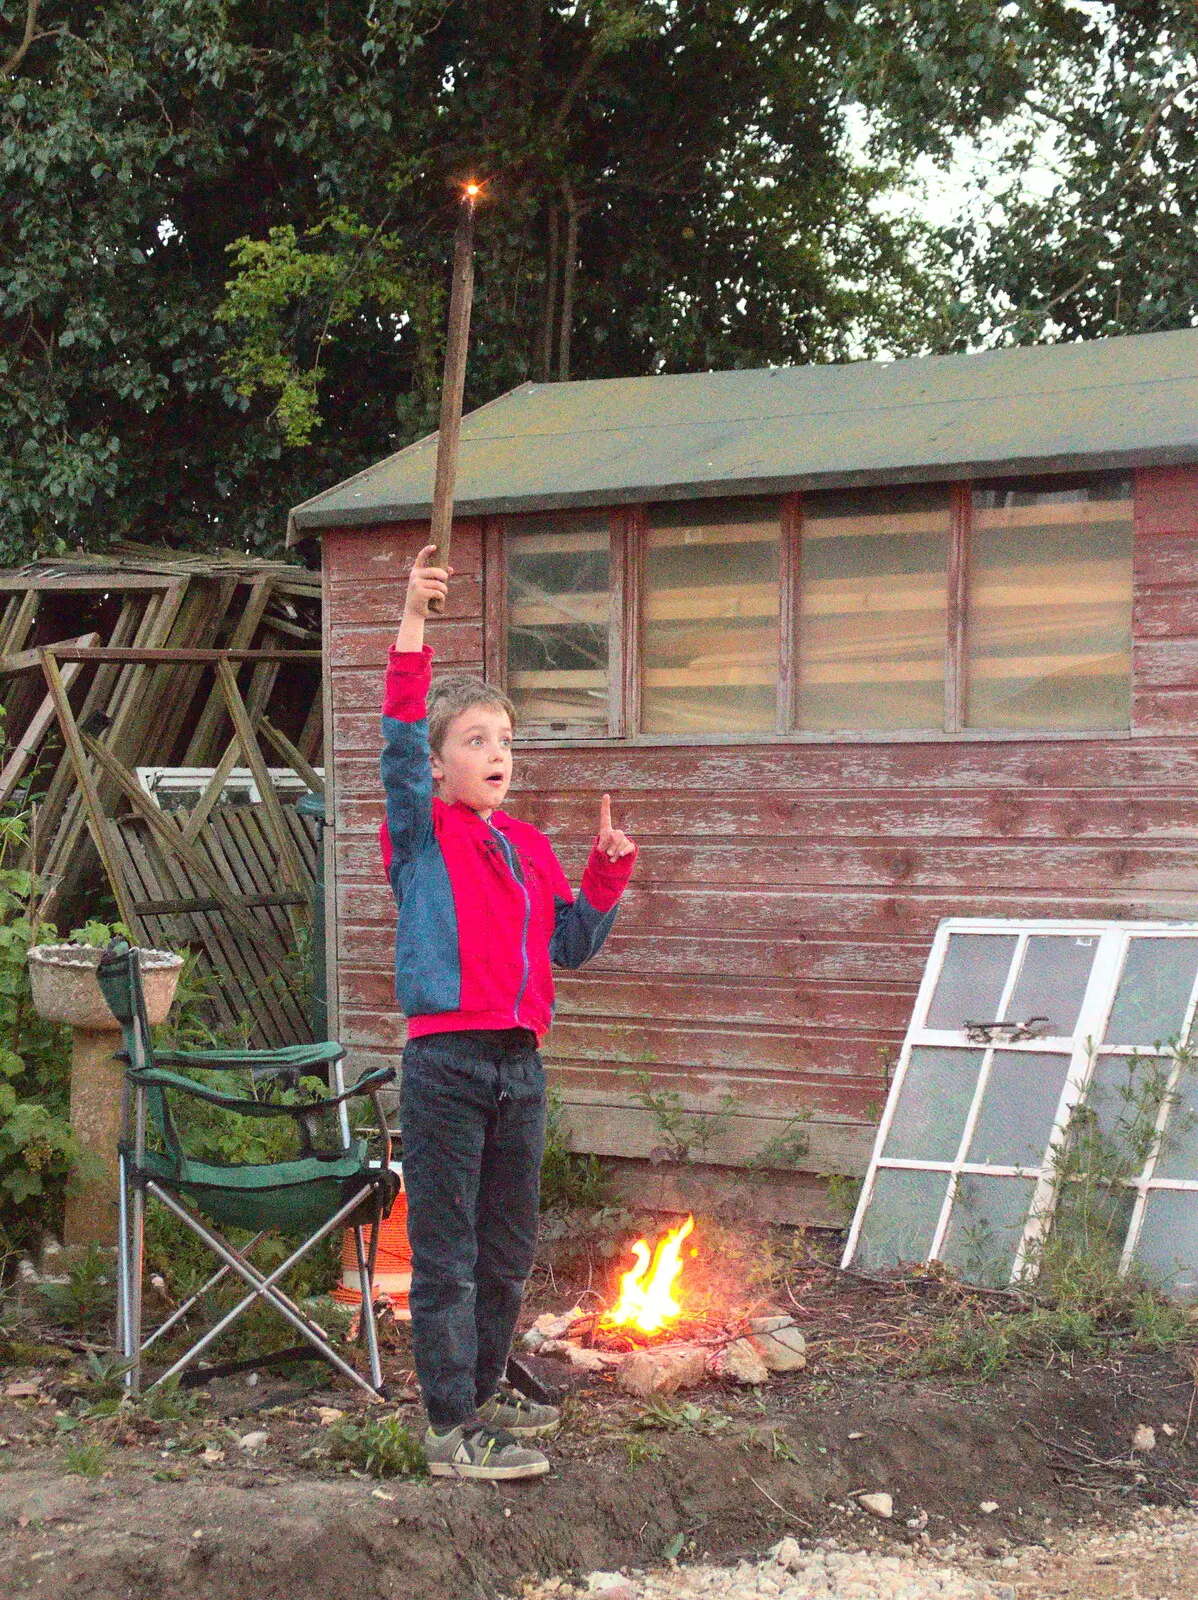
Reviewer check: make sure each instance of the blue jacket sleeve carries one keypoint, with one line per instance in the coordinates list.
(407, 775)
(580, 926)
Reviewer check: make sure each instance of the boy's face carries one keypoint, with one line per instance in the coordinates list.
(474, 763)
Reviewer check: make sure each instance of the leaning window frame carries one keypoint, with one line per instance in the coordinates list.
(628, 525)
(1084, 1050)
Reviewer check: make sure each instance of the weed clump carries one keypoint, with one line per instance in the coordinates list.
(382, 1447)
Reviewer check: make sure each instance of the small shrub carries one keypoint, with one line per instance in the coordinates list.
(383, 1447)
(86, 1302)
(568, 1179)
(88, 1460)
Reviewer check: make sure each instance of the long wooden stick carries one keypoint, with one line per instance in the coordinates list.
(453, 385)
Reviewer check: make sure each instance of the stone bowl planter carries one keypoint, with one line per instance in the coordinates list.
(63, 980)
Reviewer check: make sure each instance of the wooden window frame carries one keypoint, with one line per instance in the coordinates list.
(629, 525)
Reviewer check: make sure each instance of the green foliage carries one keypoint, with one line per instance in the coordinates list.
(1084, 165)
(86, 1301)
(688, 1417)
(568, 1179)
(787, 1149)
(685, 1135)
(89, 1460)
(641, 1449)
(694, 156)
(381, 1446)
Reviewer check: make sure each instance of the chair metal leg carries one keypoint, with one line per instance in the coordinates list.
(262, 1288)
(137, 1244)
(125, 1333)
(179, 1312)
(366, 1285)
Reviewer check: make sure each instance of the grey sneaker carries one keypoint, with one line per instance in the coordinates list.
(478, 1451)
(518, 1416)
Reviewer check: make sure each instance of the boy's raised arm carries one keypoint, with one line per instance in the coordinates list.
(407, 776)
(581, 925)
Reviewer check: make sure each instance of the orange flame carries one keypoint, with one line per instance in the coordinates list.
(646, 1299)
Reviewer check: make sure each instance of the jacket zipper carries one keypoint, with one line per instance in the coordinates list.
(507, 855)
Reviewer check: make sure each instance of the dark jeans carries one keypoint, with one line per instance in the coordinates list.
(473, 1118)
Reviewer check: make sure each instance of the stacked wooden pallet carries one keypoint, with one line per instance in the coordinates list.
(142, 658)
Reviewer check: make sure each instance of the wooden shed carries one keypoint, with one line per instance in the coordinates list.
(854, 648)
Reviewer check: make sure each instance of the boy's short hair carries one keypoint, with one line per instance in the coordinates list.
(454, 693)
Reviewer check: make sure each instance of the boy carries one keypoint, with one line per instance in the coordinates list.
(484, 907)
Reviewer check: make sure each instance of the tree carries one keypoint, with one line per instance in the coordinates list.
(1082, 120)
(669, 188)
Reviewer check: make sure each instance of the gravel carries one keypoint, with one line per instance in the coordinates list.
(1156, 1553)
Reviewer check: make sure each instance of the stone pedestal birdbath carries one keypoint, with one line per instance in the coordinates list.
(63, 980)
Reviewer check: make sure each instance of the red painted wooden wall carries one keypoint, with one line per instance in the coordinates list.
(786, 894)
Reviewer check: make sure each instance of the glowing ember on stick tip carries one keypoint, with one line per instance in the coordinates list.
(646, 1300)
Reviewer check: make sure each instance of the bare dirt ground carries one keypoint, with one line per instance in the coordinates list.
(245, 1495)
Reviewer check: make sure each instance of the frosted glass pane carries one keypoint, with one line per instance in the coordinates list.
(1019, 1107)
(1179, 1148)
(933, 1104)
(1052, 980)
(985, 1226)
(872, 609)
(971, 980)
(710, 617)
(557, 621)
(1112, 1095)
(900, 1221)
(1049, 605)
(1154, 990)
(1167, 1252)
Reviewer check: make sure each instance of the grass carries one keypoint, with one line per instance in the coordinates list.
(384, 1448)
(87, 1460)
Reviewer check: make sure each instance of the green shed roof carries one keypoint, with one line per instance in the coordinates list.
(1043, 408)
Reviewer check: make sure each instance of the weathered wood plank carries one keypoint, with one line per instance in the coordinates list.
(1167, 558)
(698, 954)
(828, 913)
(1166, 500)
(795, 769)
(359, 601)
(1165, 663)
(1173, 711)
(736, 1000)
(354, 646)
(1165, 613)
(384, 553)
(978, 865)
(1143, 816)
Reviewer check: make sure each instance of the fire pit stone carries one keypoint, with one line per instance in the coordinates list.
(739, 1362)
(782, 1347)
(662, 1369)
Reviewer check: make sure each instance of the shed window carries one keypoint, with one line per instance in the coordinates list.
(872, 609)
(1049, 605)
(558, 584)
(913, 608)
(710, 618)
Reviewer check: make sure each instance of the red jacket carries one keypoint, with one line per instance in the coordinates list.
(484, 906)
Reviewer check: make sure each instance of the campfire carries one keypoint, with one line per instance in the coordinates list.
(659, 1336)
(646, 1300)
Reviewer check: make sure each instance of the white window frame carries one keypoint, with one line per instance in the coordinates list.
(194, 780)
(1082, 1051)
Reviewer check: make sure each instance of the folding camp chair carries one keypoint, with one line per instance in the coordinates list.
(326, 1187)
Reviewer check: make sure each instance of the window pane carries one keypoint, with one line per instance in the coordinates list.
(971, 980)
(900, 1221)
(1052, 980)
(1018, 1109)
(1049, 605)
(1154, 990)
(985, 1227)
(937, 1093)
(1167, 1251)
(1179, 1148)
(872, 609)
(557, 618)
(710, 618)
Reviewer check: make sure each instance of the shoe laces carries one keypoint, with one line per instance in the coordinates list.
(488, 1433)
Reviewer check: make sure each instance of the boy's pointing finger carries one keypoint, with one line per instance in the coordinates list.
(605, 816)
